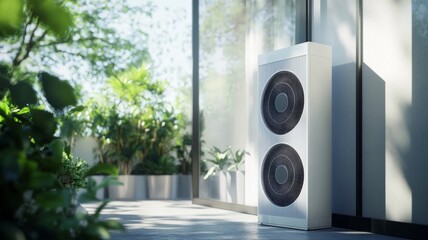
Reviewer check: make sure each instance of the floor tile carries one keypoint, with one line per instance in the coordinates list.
(183, 220)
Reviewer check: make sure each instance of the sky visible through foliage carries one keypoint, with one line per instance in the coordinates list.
(162, 27)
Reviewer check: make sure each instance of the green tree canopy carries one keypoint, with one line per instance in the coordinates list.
(93, 47)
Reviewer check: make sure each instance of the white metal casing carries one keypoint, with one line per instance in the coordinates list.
(311, 137)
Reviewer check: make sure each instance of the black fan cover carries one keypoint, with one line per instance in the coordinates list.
(282, 102)
(282, 175)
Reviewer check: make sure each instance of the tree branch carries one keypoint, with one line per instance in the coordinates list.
(29, 46)
(63, 41)
(21, 46)
(81, 40)
(68, 52)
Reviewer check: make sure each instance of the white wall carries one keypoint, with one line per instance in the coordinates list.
(395, 113)
(334, 24)
(395, 116)
(85, 148)
(387, 64)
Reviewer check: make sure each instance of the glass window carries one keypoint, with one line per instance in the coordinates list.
(232, 35)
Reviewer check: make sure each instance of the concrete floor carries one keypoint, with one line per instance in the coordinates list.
(183, 220)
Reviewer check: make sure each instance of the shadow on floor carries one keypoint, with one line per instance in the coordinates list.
(183, 220)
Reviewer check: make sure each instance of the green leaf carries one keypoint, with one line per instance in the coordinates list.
(102, 168)
(41, 180)
(70, 223)
(109, 181)
(53, 15)
(11, 12)
(210, 172)
(57, 149)
(52, 199)
(59, 94)
(4, 109)
(88, 196)
(4, 76)
(44, 122)
(100, 208)
(113, 225)
(23, 93)
(23, 111)
(77, 109)
(97, 231)
(67, 149)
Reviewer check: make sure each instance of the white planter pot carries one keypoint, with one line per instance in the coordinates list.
(236, 187)
(222, 186)
(134, 188)
(240, 187)
(140, 187)
(181, 186)
(160, 187)
(214, 187)
(209, 188)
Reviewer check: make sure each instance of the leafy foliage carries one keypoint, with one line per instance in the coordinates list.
(73, 172)
(57, 99)
(165, 165)
(238, 159)
(93, 42)
(225, 160)
(72, 124)
(220, 161)
(98, 42)
(22, 93)
(133, 124)
(10, 15)
(38, 176)
(183, 153)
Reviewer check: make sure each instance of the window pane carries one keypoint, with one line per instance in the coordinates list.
(232, 34)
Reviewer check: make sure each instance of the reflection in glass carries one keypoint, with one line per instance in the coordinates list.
(231, 33)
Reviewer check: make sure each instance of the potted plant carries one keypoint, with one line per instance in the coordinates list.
(159, 178)
(225, 179)
(120, 123)
(214, 181)
(120, 149)
(161, 127)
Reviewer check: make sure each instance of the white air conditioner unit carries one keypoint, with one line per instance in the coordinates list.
(295, 93)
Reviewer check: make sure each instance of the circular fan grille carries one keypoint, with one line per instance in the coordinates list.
(282, 102)
(282, 175)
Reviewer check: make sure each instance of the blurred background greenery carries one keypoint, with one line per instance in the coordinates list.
(101, 48)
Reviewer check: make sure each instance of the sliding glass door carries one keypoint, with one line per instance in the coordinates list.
(231, 36)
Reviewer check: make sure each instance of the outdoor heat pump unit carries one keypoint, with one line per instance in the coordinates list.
(295, 92)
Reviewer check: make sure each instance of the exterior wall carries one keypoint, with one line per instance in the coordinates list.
(395, 149)
(85, 148)
(334, 24)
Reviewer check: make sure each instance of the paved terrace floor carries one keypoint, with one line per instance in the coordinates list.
(183, 220)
